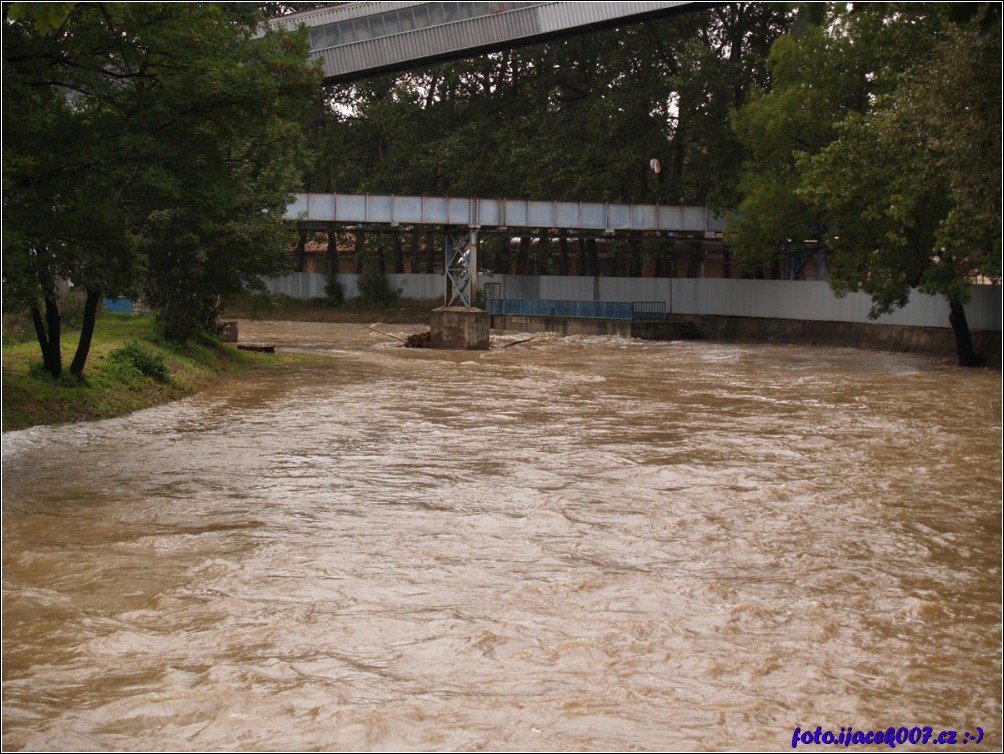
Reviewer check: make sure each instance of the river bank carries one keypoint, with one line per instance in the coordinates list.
(121, 374)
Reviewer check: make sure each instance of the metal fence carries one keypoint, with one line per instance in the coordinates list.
(650, 310)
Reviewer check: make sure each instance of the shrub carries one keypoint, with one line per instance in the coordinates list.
(374, 288)
(334, 294)
(136, 359)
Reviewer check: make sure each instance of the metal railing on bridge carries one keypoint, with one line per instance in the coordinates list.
(625, 310)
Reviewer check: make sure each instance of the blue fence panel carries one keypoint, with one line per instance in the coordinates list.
(119, 305)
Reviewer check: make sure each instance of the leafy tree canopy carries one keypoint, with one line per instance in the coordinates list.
(147, 147)
(880, 138)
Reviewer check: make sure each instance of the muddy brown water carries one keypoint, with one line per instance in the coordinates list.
(573, 544)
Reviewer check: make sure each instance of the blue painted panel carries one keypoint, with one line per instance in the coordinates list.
(118, 305)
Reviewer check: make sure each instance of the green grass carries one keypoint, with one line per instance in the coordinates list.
(117, 384)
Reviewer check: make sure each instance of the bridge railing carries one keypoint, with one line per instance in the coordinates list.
(626, 310)
(648, 310)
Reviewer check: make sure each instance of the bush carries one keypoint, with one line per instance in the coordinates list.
(374, 288)
(136, 359)
(334, 294)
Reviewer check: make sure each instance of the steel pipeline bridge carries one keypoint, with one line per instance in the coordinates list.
(462, 218)
(359, 39)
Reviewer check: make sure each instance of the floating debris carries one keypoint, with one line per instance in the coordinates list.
(419, 340)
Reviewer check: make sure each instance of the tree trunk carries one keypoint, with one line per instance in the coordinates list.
(86, 332)
(694, 259)
(301, 252)
(398, 254)
(963, 341)
(414, 252)
(593, 256)
(359, 251)
(501, 261)
(332, 253)
(635, 246)
(523, 256)
(47, 332)
(52, 359)
(431, 253)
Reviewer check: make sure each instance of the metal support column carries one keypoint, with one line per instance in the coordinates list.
(461, 247)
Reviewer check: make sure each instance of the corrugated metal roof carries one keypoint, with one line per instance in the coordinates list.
(390, 209)
(355, 39)
(340, 12)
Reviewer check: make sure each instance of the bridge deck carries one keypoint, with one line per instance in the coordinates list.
(473, 212)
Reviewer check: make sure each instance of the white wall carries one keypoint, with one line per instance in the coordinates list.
(782, 299)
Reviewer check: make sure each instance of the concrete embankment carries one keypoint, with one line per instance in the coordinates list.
(937, 342)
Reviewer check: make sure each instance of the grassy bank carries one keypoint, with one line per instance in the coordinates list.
(127, 369)
(284, 308)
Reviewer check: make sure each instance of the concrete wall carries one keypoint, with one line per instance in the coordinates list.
(562, 325)
(932, 341)
(772, 299)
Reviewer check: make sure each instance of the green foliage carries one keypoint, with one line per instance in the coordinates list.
(578, 118)
(334, 293)
(135, 359)
(45, 16)
(880, 138)
(148, 147)
(374, 288)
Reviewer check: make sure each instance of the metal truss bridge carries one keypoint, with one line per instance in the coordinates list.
(463, 217)
(359, 39)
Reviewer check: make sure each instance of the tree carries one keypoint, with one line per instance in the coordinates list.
(881, 139)
(146, 147)
(61, 213)
(579, 118)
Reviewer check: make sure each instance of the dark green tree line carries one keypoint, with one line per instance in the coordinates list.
(147, 147)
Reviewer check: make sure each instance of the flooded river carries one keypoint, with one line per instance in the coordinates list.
(568, 544)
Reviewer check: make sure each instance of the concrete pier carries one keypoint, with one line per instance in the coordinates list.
(460, 328)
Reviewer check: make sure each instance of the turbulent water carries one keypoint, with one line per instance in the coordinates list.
(571, 544)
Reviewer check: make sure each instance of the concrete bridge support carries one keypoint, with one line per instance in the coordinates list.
(460, 328)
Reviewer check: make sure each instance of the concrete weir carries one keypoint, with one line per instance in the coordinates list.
(676, 328)
(938, 342)
(460, 328)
